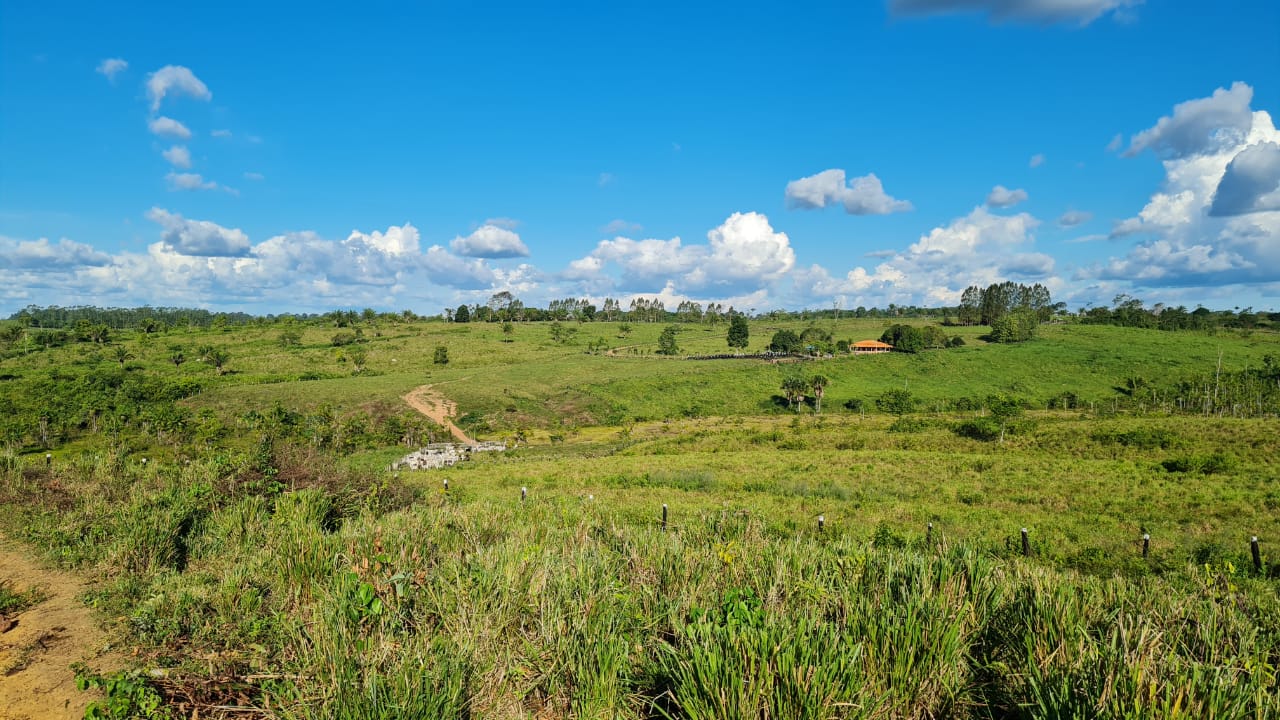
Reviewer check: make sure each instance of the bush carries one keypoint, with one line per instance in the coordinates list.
(441, 355)
(854, 405)
(1211, 464)
(1143, 438)
(784, 341)
(898, 402)
(984, 429)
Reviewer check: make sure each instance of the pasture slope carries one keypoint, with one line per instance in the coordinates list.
(244, 538)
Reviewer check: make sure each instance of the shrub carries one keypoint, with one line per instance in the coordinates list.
(897, 402)
(984, 429)
(1213, 463)
(854, 405)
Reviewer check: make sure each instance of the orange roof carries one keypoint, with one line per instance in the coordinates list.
(871, 344)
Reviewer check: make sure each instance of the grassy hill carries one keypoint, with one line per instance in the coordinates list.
(245, 532)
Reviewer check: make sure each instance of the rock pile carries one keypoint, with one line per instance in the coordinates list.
(440, 455)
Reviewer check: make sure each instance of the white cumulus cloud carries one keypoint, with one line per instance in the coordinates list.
(860, 196)
(1251, 182)
(175, 80)
(1203, 125)
(168, 127)
(1002, 197)
(44, 255)
(198, 237)
(178, 156)
(112, 67)
(1215, 220)
(490, 241)
(1072, 218)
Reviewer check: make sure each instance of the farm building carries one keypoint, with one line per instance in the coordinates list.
(870, 346)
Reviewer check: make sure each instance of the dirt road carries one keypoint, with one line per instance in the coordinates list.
(36, 680)
(438, 408)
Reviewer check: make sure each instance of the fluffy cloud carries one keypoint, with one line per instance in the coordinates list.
(1251, 182)
(1002, 197)
(198, 237)
(175, 80)
(490, 241)
(1082, 12)
(111, 67)
(178, 156)
(1203, 125)
(168, 127)
(1215, 220)
(978, 249)
(742, 254)
(196, 261)
(42, 254)
(1072, 218)
(194, 181)
(860, 196)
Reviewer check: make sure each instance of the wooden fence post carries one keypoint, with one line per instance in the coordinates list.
(822, 520)
(1257, 554)
(524, 492)
(1146, 545)
(928, 534)
(664, 517)
(1026, 544)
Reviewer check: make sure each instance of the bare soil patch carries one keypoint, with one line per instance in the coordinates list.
(438, 408)
(40, 643)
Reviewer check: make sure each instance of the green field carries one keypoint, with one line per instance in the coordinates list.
(265, 532)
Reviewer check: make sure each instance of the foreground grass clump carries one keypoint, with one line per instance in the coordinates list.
(327, 601)
(557, 610)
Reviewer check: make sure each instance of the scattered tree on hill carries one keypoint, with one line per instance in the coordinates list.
(121, 354)
(1004, 409)
(441, 356)
(897, 402)
(667, 341)
(816, 339)
(177, 357)
(357, 355)
(624, 330)
(462, 314)
(819, 384)
(507, 330)
(1017, 326)
(784, 341)
(986, 306)
(793, 390)
(904, 338)
(290, 339)
(219, 357)
(739, 333)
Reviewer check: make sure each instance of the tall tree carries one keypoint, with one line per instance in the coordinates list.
(793, 389)
(462, 314)
(667, 341)
(819, 384)
(739, 333)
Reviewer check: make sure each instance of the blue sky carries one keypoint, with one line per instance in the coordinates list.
(271, 158)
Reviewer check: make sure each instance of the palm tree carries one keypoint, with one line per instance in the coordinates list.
(177, 358)
(121, 354)
(219, 358)
(819, 385)
(793, 388)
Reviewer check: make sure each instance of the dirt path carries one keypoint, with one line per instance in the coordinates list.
(36, 680)
(440, 409)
